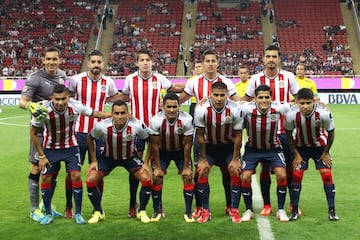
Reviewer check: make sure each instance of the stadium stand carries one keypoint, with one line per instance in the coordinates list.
(29, 26)
(313, 32)
(146, 24)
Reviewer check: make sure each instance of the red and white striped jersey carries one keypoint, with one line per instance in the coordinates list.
(92, 93)
(59, 128)
(262, 127)
(282, 86)
(145, 94)
(119, 143)
(219, 125)
(200, 86)
(311, 131)
(171, 134)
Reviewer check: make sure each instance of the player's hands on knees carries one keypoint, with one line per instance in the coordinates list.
(37, 109)
(297, 161)
(235, 168)
(186, 173)
(203, 168)
(158, 172)
(43, 163)
(326, 159)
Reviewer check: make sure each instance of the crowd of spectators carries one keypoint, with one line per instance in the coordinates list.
(27, 27)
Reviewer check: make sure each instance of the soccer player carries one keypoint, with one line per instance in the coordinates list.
(283, 86)
(261, 119)
(171, 132)
(243, 84)
(142, 89)
(92, 89)
(60, 144)
(118, 133)
(305, 82)
(200, 88)
(315, 133)
(38, 87)
(219, 134)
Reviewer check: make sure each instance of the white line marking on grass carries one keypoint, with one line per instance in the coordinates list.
(263, 223)
(347, 129)
(13, 124)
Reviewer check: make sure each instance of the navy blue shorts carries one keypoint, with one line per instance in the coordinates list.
(313, 153)
(71, 157)
(132, 164)
(177, 156)
(82, 141)
(253, 156)
(220, 154)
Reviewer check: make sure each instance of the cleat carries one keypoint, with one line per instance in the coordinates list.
(133, 211)
(162, 212)
(333, 216)
(281, 215)
(228, 210)
(205, 216)
(235, 216)
(197, 212)
(247, 216)
(97, 217)
(47, 219)
(267, 210)
(53, 210)
(291, 209)
(79, 219)
(156, 217)
(69, 213)
(143, 216)
(36, 215)
(189, 218)
(294, 216)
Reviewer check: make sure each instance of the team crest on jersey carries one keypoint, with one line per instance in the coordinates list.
(129, 137)
(273, 117)
(71, 117)
(61, 80)
(103, 88)
(227, 119)
(155, 85)
(281, 83)
(180, 130)
(317, 123)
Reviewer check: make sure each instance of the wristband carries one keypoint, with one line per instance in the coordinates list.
(42, 156)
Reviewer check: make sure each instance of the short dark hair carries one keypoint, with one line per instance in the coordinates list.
(171, 96)
(263, 87)
(95, 53)
(51, 49)
(143, 51)
(208, 52)
(273, 48)
(305, 93)
(218, 85)
(60, 88)
(119, 103)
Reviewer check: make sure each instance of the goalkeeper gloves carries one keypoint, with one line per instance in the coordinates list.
(37, 109)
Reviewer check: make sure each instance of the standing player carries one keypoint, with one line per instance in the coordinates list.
(200, 88)
(171, 132)
(38, 87)
(219, 134)
(283, 85)
(305, 82)
(142, 89)
(315, 133)
(118, 134)
(243, 84)
(261, 119)
(92, 89)
(60, 144)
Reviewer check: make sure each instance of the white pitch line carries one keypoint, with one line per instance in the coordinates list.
(263, 223)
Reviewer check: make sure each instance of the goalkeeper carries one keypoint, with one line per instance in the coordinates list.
(38, 87)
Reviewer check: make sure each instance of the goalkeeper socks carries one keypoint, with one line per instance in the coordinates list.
(33, 187)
